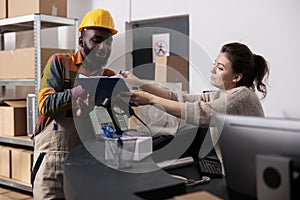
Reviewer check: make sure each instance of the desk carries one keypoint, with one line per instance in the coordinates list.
(87, 178)
(215, 186)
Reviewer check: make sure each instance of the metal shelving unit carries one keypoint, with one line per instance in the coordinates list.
(23, 82)
(35, 22)
(15, 184)
(18, 140)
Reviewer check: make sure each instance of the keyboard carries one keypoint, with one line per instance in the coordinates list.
(210, 168)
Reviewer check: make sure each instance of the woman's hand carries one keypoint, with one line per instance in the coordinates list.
(108, 72)
(142, 98)
(131, 79)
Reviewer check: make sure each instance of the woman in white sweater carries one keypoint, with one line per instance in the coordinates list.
(237, 72)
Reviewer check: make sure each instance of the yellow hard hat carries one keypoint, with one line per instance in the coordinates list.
(98, 18)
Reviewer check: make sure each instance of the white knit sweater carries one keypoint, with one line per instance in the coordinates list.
(200, 109)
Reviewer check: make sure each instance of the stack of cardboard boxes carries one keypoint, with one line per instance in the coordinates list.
(15, 161)
(172, 69)
(20, 63)
(14, 8)
(16, 164)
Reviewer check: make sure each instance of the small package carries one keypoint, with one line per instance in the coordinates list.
(13, 117)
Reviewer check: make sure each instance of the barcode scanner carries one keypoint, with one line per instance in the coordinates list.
(117, 100)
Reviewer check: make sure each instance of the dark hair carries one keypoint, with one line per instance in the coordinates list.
(254, 67)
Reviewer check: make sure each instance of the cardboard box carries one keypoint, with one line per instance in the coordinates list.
(13, 117)
(172, 69)
(132, 121)
(196, 196)
(5, 162)
(47, 7)
(21, 162)
(21, 92)
(3, 9)
(20, 63)
(24, 39)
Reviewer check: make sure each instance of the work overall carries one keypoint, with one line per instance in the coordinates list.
(51, 147)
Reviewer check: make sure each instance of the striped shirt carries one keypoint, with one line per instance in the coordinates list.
(54, 96)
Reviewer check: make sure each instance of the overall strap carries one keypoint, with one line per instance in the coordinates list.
(67, 82)
(36, 167)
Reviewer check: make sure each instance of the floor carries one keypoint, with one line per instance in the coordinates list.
(7, 193)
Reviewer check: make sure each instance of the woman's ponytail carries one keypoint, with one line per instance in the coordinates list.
(262, 73)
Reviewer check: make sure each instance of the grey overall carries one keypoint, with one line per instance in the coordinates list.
(51, 147)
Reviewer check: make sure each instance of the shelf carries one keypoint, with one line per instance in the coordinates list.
(22, 82)
(35, 23)
(19, 140)
(24, 23)
(15, 184)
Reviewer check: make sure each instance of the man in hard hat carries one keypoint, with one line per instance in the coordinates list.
(60, 99)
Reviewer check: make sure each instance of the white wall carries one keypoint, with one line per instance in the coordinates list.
(76, 9)
(119, 9)
(270, 28)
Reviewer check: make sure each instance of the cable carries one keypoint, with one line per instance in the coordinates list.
(142, 122)
(127, 108)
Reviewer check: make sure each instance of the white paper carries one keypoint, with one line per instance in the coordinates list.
(160, 45)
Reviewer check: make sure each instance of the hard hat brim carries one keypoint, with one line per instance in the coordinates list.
(113, 31)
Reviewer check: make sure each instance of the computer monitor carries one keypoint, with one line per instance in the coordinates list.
(243, 138)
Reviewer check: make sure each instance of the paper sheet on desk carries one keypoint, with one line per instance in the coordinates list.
(196, 196)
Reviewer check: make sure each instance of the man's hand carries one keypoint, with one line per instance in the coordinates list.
(83, 106)
(77, 91)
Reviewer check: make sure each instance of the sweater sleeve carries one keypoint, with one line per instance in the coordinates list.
(201, 113)
(183, 97)
(52, 97)
(199, 109)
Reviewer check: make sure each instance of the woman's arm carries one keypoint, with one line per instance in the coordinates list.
(174, 108)
(147, 87)
(193, 111)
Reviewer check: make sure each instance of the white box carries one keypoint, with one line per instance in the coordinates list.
(142, 149)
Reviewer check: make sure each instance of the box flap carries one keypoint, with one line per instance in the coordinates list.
(16, 103)
(197, 196)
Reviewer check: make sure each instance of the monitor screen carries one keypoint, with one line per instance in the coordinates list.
(243, 138)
